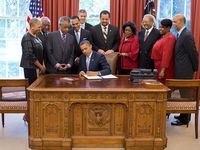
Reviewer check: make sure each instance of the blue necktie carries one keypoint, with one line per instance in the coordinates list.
(77, 37)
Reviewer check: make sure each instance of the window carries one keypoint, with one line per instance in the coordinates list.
(169, 8)
(13, 15)
(93, 8)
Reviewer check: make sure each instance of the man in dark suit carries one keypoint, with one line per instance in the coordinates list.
(79, 34)
(91, 62)
(46, 23)
(147, 37)
(186, 60)
(82, 14)
(60, 48)
(105, 36)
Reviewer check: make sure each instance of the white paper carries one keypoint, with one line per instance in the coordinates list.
(92, 77)
(110, 76)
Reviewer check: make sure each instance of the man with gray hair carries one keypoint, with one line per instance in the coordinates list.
(46, 23)
(82, 14)
(60, 48)
(147, 37)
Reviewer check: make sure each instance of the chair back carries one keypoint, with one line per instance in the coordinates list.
(193, 84)
(188, 101)
(13, 83)
(112, 60)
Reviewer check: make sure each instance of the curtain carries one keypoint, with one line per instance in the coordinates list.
(54, 9)
(195, 24)
(122, 11)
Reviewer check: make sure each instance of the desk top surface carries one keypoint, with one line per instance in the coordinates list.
(61, 83)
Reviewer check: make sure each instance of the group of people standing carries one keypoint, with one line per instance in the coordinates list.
(78, 47)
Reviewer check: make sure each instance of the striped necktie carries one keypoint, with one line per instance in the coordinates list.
(105, 32)
(63, 36)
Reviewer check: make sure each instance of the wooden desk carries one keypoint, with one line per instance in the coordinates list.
(96, 113)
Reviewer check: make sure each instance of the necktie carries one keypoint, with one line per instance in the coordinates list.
(87, 63)
(177, 36)
(146, 35)
(105, 32)
(45, 34)
(63, 36)
(77, 37)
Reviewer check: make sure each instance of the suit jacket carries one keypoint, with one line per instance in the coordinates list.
(88, 26)
(113, 38)
(84, 35)
(145, 60)
(32, 50)
(98, 62)
(43, 37)
(185, 56)
(59, 51)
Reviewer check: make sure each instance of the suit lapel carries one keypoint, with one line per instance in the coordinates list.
(81, 35)
(100, 32)
(109, 31)
(84, 63)
(59, 39)
(92, 61)
(149, 37)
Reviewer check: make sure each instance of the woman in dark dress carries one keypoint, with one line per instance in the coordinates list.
(32, 52)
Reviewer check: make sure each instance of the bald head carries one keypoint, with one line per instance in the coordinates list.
(179, 21)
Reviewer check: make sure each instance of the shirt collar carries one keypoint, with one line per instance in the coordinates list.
(79, 31)
(102, 27)
(149, 30)
(181, 30)
(83, 26)
(89, 55)
(61, 33)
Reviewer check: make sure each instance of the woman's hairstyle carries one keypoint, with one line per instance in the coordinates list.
(33, 21)
(167, 23)
(131, 25)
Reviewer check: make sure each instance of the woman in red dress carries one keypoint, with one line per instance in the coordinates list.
(129, 48)
(162, 52)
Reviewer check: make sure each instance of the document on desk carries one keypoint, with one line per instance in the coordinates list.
(110, 76)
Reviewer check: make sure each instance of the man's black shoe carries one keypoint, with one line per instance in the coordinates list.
(177, 117)
(177, 123)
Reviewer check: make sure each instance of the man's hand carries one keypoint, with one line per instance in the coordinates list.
(81, 73)
(42, 70)
(91, 73)
(110, 51)
(63, 67)
(101, 51)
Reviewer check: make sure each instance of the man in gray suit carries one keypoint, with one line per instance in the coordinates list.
(186, 60)
(60, 48)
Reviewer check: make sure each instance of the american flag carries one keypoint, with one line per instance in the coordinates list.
(149, 8)
(36, 10)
